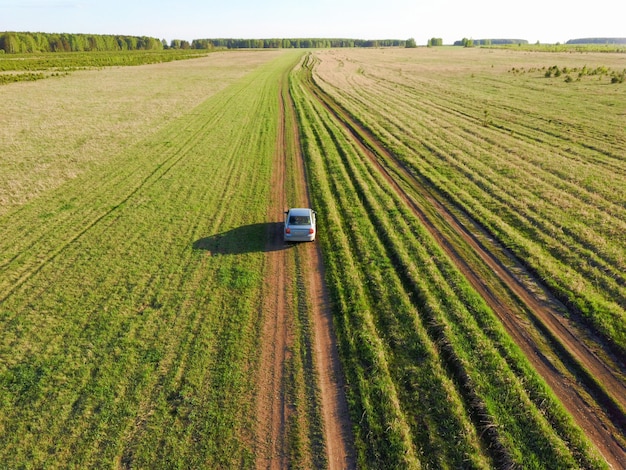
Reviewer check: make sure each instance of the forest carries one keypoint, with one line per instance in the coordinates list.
(297, 43)
(16, 43)
(597, 41)
(26, 42)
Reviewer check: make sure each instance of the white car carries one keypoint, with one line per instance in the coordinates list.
(300, 225)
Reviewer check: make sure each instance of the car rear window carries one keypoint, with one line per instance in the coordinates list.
(299, 220)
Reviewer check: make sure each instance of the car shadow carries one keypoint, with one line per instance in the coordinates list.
(253, 238)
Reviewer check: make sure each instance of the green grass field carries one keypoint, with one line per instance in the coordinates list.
(409, 324)
(131, 290)
(59, 128)
(134, 208)
(37, 66)
(538, 161)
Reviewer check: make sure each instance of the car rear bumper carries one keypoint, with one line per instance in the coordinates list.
(296, 237)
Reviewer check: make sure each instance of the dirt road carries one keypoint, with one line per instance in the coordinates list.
(273, 411)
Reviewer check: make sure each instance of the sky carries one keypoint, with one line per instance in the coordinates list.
(544, 21)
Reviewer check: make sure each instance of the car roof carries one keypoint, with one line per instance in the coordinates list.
(299, 211)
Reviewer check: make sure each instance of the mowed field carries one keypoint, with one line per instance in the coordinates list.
(538, 161)
(446, 174)
(133, 267)
(471, 246)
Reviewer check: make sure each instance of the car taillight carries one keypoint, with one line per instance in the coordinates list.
(311, 231)
(288, 230)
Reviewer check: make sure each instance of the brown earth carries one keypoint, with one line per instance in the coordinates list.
(582, 372)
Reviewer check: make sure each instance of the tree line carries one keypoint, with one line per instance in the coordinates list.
(597, 41)
(293, 43)
(25, 42)
(465, 42)
(16, 43)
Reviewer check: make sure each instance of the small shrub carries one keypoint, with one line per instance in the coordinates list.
(618, 77)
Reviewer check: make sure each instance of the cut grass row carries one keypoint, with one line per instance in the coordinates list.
(409, 328)
(131, 297)
(540, 165)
